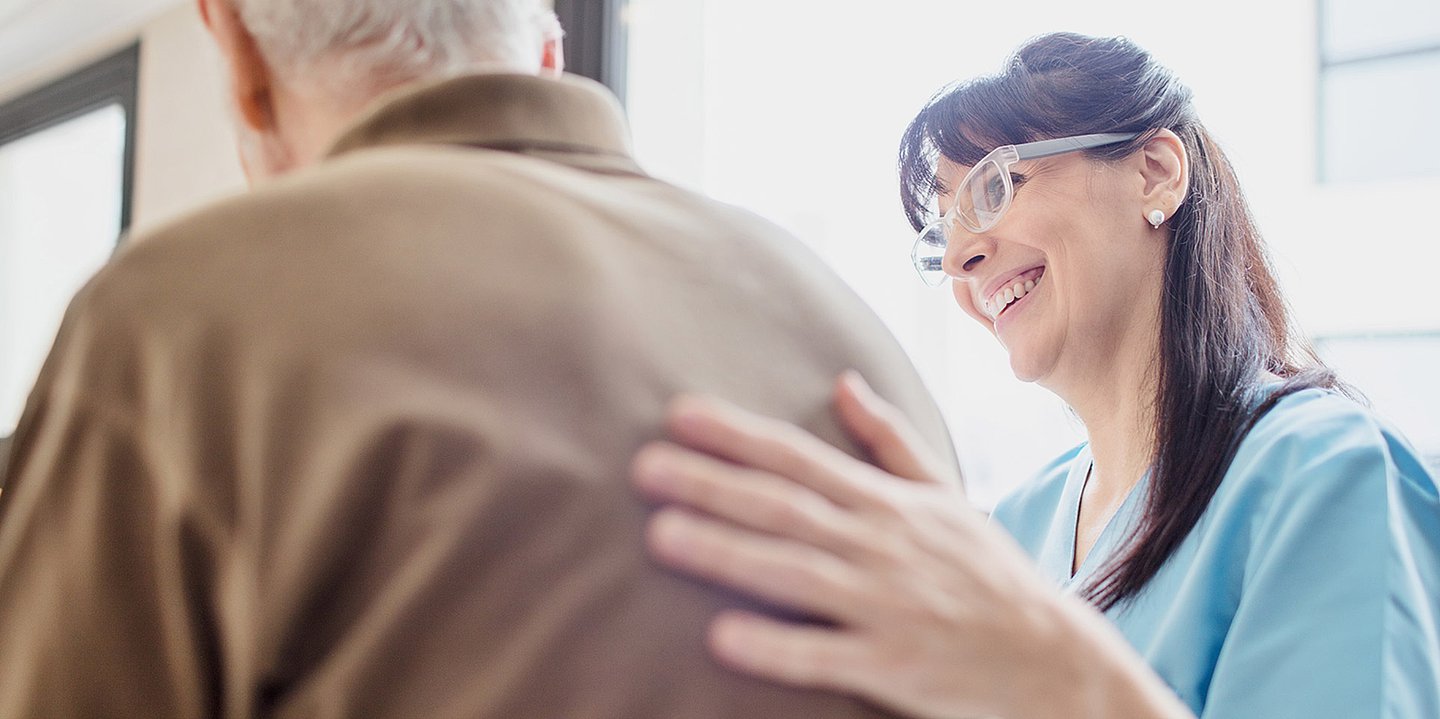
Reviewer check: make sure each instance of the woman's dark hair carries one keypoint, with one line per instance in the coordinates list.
(1223, 322)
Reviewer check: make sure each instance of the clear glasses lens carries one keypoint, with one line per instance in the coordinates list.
(980, 202)
(928, 253)
(984, 196)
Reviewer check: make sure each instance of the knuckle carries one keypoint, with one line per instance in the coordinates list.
(804, 572)
(891, 508)
(890, 546)
(808, 512)
(793, 454)
(706, 492)
(819, 668)
(776, 512)
(891, 426)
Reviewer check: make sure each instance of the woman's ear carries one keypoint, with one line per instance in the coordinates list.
(1165, 171)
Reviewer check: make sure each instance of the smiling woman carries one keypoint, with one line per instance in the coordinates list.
(1266, 545)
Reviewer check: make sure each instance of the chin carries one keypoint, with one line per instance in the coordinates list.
(1025, 374)
(1026, 366)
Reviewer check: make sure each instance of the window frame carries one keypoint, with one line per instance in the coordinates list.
(596, 41)
(1325, 63)
(110, 80)
(114, 79)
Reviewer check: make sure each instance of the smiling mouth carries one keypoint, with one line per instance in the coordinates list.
(1017, 289)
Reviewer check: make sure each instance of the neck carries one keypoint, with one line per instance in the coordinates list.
(1120, 422)
(1116, 397)
(312, 124)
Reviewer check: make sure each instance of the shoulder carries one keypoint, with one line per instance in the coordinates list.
(1036, 501)
(1320, 458)
(1316, 433)
(1327, 529)
(1313, 415)
(390, 218)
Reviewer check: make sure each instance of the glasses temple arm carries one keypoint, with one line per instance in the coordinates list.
(1046, 148)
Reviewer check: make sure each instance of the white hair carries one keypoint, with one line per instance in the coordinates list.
(352, 50)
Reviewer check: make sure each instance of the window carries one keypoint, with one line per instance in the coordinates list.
(595, 41)
(1379, 89)
(66, 152)
(1391, 369)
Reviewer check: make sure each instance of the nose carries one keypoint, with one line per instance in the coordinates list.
(965, 253)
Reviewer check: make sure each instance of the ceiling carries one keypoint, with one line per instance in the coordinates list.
(37, 34)
(10, 9)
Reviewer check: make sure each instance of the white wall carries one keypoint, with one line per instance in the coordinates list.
(185, 147)
(42, 39)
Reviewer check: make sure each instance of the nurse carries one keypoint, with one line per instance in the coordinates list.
(1236, 538)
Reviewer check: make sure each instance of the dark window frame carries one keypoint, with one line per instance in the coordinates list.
(114, 79)
(596, 41)
(1326, 63)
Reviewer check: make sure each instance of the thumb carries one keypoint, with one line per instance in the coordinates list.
(882, 429)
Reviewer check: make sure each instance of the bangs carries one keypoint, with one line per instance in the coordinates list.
(961, 123)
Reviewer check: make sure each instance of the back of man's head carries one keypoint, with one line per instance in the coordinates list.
(347, 47)
(301, 70)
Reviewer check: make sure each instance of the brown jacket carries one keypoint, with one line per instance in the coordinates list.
(355, 444)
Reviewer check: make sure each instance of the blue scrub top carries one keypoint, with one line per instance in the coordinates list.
(1309, 588)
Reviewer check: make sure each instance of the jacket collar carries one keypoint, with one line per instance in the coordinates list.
(570, 119)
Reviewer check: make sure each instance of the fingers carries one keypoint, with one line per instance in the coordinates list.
(798, 655)
(881, 427)
(785, 573)
(748, 439)
(746, 497)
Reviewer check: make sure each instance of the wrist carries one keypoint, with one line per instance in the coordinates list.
(1086, 669)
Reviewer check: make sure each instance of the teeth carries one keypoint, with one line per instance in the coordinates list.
(1002, 299)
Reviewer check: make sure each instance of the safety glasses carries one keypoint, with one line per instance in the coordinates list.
(982, 198)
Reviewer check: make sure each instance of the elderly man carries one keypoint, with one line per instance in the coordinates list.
(356, 443)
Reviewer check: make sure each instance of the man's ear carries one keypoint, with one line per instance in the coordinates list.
(552, 58)
(251, 82)
(1165, 171)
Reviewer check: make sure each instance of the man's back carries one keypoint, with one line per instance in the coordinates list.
(357, 444)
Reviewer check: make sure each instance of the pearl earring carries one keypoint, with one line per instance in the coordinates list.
(1156, 217)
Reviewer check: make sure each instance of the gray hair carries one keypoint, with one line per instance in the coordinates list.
(352, 50)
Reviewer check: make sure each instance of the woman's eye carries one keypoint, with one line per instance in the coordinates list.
(995, 188)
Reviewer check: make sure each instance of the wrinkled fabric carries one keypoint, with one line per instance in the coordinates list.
(1309, 588)
(356, 444)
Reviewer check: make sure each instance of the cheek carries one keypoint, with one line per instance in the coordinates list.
(963, 298)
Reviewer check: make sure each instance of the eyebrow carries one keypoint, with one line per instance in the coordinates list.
(940, 187)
